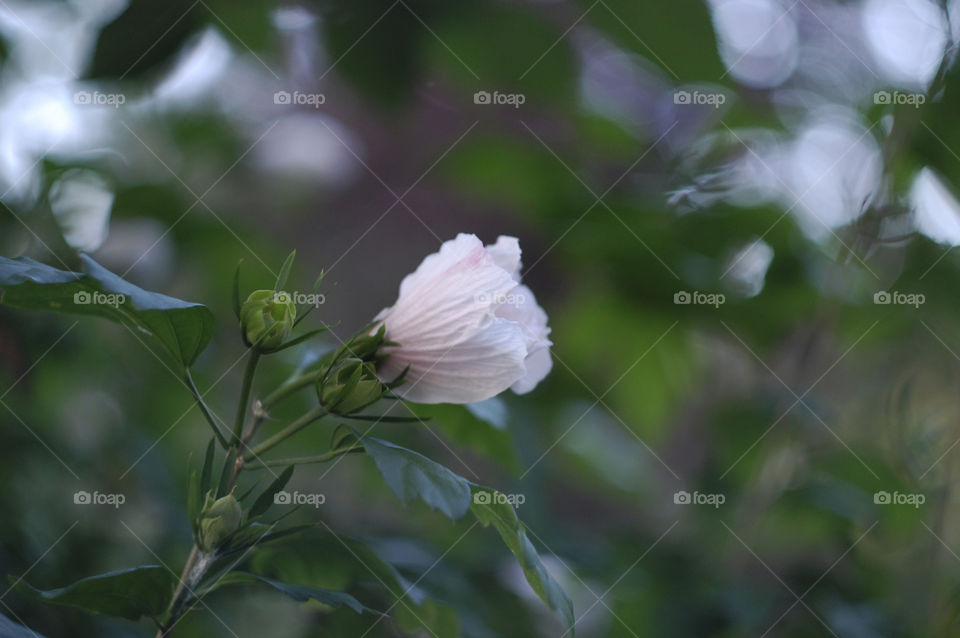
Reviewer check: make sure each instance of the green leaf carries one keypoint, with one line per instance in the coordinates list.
(482, 427)
(194, 498)
(207, 472)
(300, 593)
(129, 593)
(323, 559)
(285, 271)
(10, 629)
(235, 299)
(245, 495)
(226, 474)
(411, 476)
(298, 340)
(183, 329)
(258, 534)
(265, 500)
(490, 510)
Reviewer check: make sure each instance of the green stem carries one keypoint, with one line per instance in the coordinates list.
(188, 580)
(302, 460)
(245, 394)
(291, 386)
(206, 411)
(305, 420)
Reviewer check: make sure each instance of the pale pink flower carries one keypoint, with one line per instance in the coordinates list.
(466, 327)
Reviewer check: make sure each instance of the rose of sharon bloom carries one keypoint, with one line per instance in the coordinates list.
(466, 326)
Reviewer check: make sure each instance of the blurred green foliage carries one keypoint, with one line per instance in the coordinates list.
(799, 404)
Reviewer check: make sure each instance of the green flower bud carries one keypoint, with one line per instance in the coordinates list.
(267, 318)
(350, 386)
(218, 520)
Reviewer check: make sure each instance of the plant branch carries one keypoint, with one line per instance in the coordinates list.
(205, 410)
(303, 460)
(305, 420)
(178, 593)
(291, 386)
(248, 374)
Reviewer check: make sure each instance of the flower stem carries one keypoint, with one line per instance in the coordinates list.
(245, 394)
(173, 614)
(305, 420)
(291, 386)
(204, 409)
(302, 460)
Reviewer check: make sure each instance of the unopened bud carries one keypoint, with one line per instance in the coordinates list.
(218, 520)
(350, 386)
(267, 318)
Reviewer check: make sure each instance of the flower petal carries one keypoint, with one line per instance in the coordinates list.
(434, 265)
(520, 305)
(506, 254)
(538, 366)
(467, 329)
(449, 297)
(485, 364)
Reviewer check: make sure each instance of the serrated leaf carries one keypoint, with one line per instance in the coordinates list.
(181, 328)
(410, 476)
(300, 593)
(129, 593)
(265, 500)
(490, 510)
